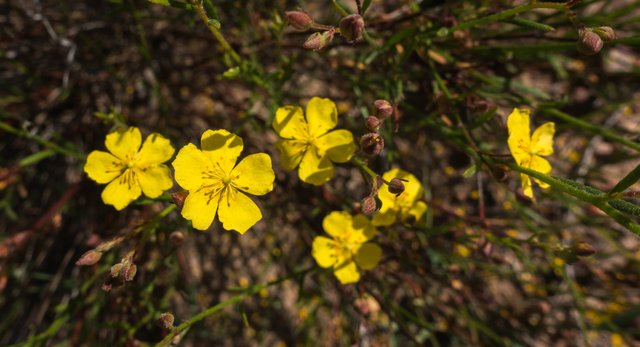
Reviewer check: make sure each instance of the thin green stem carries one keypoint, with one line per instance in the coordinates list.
(50, 145)
(339, 7)
(361, 164)
(510, 13)
(198, 6)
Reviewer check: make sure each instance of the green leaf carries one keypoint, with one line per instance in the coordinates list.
(172, 3)
(472, 170)
(232, 72)
(35, 157)
(531, 24)
(628, 180)
(214, 23)
(365, 6)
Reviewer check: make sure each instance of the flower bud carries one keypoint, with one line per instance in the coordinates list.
(166, 320)
(299, 20)
(176, 238)
(352, 27)
(396, 186)
(129, 272)
(606, 33)
(589, 43)
(179, 198)
(371, 144)
(319, 40)
(383, 109)
(368, 205)
(584, 249)
(116, 270)
(89, 258)
(372, 123)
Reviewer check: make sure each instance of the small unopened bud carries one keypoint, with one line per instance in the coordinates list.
(179, 197)
(129, 272)
(352, 27)
(589, 43)
(299, 20)
(396, 186)
(606, 33)
(89, 258)
(383, 109)
(372, 123)
(116, 270)
(371, 144)
(368, 205)
(176, 238)
(584, 249)
(166, 321)
(319, 40)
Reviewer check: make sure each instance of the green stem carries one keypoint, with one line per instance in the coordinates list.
(197, 5)
(50, 145)
(166, 341)
(360, 163)
(510, 13)
(595, 129)
(340, 9)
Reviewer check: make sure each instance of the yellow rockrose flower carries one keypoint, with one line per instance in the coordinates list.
(308, 143)
(129, 169)
(407, 205)
(216, 184)
(528, 150)
(347, 251)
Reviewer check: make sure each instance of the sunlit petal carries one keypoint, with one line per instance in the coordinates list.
(122, 190)
(416, 212)
(291, 152)
(368, 256)
(156, 149)
(314, 169)
(103, 167)
(237, 211)
(519, 134)
(347, 272)
(289, 123)
(189, 166)
(154, 180)
(222, 148)
(541, 165)
(338, 145)
(385, 218)
(254, 174)
(323, 251)
(527, 190)
(361, 230)
(322, 116)
(542, 139)
(200, 208)
(337, 223)
(124, 143)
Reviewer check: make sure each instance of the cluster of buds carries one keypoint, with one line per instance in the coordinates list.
(369, 204)
(122, 272)
(351, 28)
(591, 40)
(372, 143)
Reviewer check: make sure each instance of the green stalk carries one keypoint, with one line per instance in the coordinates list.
(509, 13)
(198, 6)
(50, 145)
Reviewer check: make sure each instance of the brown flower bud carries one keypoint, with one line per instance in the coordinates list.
(372, 123)
(299, 20)
(368, 205)
(383, 109)
(589, 43)
(116, 270)
(319, 40)
(129, 272)
(606, 33)
(584, 249)
(352, 27)
(166, 320)
(176, 238)
(371, 144)
(89, 258)
(179, 197)
(396, 186)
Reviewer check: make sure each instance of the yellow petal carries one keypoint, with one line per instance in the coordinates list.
(124, 143)
(413, 190)
(323, 251)
(122, 190)
(385, 218)
(222, 148)
(314, 169)
(254, 174)
(154, 180)
(155, 150)
(542, 139)
(541, 165)
(200, 208)
(361, 230)
(368, 256)
(322, 116)
(291, 152)
(347, 272)
(237, 211)
(519, 134)
(527, 190)
(337, 223)
(338, 145)
(189, 165)
(289, 123)
(103, 167)
(416, 212)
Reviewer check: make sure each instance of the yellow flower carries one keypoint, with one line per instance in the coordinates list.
(216, 184)
(406, 205)
(528, 150)
(130, 169)
(347, 251)
(309, 143)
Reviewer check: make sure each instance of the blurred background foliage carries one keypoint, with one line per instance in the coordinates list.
(487, 267)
